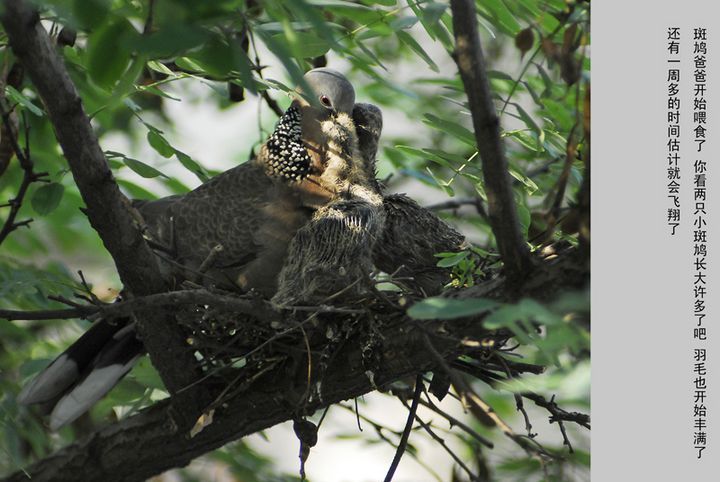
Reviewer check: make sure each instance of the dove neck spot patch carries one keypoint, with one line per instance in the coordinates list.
(287, 157)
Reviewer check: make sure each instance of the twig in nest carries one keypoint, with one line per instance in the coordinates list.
(271, 364)
(262, 345)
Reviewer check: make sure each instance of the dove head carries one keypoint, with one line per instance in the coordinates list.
(330, 91)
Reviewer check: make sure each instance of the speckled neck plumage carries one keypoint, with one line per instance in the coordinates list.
(286, 155)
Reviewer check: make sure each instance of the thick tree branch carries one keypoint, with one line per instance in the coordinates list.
(153, 445)
(108, 210)
(501, 204)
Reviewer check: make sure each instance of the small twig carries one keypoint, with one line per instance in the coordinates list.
(65, 301)
(486, 410)
(323, 309)
(45, 314)
(557, 413)
(379, 430)
(447, 449)
(264, 94)
(357, 414)
(306, 394)
(561, 185)
(460, 202)
(249, 381)
(93, 298)
(149, 20)
(518, 398)
(322, 417)
(457, 423)
(408, 427)
(272, 103)
(29, 175)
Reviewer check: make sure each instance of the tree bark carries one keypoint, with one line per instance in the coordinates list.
(498, 186)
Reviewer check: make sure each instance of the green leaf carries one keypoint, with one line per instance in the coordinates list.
(443, 184)
(187, 63)
(109, 53)
(453, 128)
(170, 41)
(524, 217)
(529, 122)
(191, 165)
(142, 169)
(46, 198)
(91, 13)
(160, 144)
(408, 40)
(154, 90)
(373, 58)
(524, 139)
(384, 3)
(135, 191)
(525, 310)
(283, 53)
(310, 45)
(17, 97)
(222, 57)
(448, 308)
(402, 23)
(423, 154)
(429, 15)
(432, 11)
(452, 259)
(159, 67)
(529, 184)
(145, 374)
(561, 114)
(499, 15)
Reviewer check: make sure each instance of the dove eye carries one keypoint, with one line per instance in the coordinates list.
(325, 100)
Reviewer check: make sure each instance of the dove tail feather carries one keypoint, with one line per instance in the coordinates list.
(85, 372)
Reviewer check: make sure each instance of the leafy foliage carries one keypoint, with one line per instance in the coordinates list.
(129, 59)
